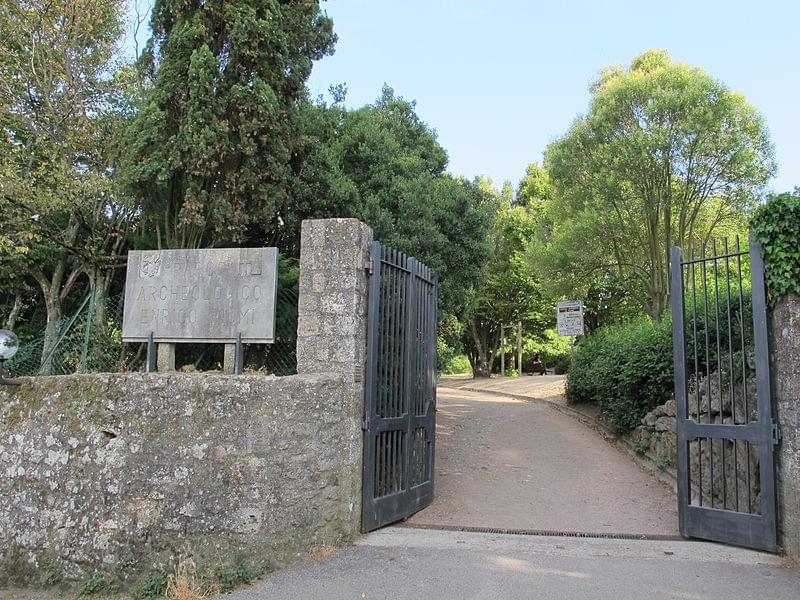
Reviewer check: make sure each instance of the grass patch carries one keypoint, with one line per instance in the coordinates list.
(240, 573)
(93, 586)
(152, 586)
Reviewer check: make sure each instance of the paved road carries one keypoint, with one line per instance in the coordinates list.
(517, 464)
(399, 563)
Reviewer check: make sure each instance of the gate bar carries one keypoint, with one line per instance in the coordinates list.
(679, 356)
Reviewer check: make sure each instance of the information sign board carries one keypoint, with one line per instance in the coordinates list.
(208, 295)
(569, 317)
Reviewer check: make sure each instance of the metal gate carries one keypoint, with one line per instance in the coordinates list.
(400, 400)
(725, 431)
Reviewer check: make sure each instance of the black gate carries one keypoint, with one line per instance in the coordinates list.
(400, 401)
(726, 435)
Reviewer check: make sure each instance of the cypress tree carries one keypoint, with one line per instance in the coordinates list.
(208, 153)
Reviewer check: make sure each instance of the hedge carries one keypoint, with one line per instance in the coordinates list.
(626, 369)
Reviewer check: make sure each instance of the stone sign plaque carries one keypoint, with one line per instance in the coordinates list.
(207, 295)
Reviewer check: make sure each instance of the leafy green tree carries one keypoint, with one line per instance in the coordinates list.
(510, 291)
(535, 189)
(398, 166)
(382, 164)
(62, 216)
(209, 153)
(666, 155)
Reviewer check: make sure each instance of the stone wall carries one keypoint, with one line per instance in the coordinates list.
(785, 371)
(119, 473)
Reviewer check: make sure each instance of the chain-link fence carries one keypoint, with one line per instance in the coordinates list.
(90, 341)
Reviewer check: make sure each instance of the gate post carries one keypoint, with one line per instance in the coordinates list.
(785, 353)
(332, 321)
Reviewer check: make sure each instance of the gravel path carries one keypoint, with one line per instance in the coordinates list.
(517, 464)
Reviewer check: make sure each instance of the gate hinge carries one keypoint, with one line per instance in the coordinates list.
(776, 434)
(364, 424)
(369, 267)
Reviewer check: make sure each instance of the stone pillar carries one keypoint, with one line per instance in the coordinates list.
(785, 371)
(165, 358)
(332, 318)
(229, 359)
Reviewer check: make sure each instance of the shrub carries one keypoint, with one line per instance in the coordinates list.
(458, 365)
(561, 365)
(626, 369)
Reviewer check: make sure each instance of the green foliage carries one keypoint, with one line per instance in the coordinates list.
(93, 586)
(459, 365)
(61, 111)
(642, 445)
(154, 585)
(241, 572)
(511, 373)
(535, 189)
(449, 362)
(208, 153)
(552, 349)
(666, 155)
(627, 369)
(510, 290)
(664, 461)
(52, 572)
(707, 317)
(776, 225)
(382, 164)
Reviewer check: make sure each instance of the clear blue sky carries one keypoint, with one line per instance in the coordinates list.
(499, 80)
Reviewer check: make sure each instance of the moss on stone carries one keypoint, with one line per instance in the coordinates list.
(15, 569)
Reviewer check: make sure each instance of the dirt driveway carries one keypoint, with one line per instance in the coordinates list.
(519, 464)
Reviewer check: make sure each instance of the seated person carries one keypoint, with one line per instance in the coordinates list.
(538, 366)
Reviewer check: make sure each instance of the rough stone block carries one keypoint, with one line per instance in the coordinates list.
(785, 371)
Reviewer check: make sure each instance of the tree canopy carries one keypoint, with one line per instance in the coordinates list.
(382, 164)
(666, 155)
(209, 151)
(63, 214)
(210, 138)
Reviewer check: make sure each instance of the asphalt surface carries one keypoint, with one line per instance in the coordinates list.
(400, 563)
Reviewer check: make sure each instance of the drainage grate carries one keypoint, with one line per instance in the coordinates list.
(546, 533)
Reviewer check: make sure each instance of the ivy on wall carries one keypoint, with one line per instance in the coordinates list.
(776, 225)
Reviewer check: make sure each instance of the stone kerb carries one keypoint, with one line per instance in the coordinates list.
(785, 370)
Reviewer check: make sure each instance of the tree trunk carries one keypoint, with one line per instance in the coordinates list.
(55, 289)
(51, 331)
(100, 280)
(11, 321)
(478, 357)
